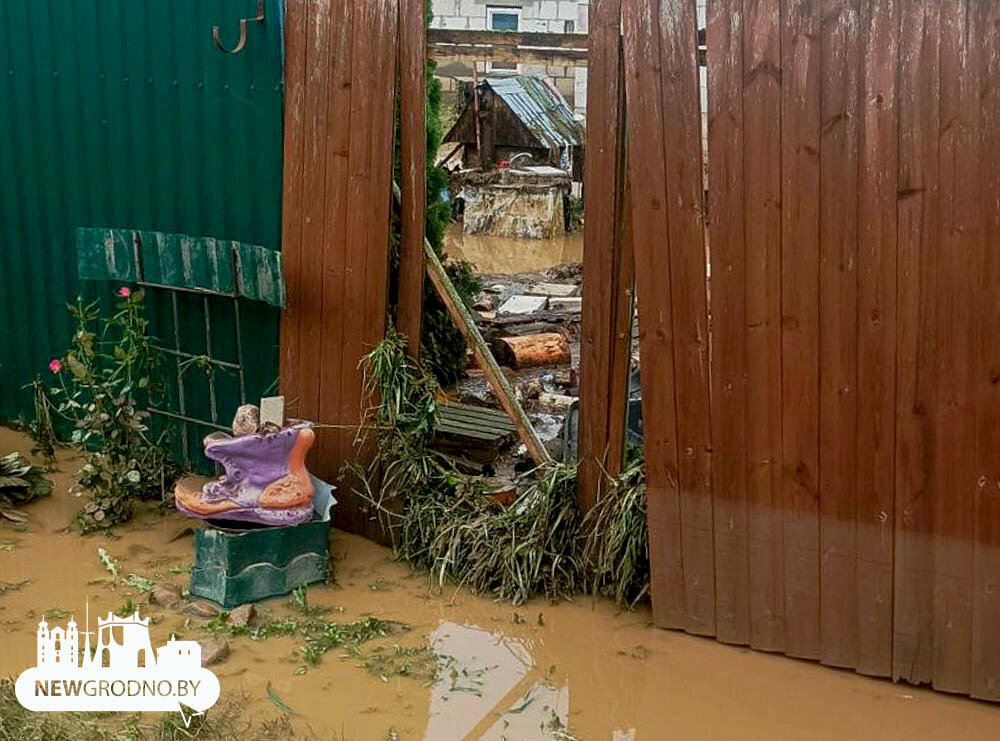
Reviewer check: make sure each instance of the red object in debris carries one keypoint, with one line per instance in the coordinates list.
(503, 164)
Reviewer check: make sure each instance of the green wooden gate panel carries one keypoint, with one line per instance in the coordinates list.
(123, 113)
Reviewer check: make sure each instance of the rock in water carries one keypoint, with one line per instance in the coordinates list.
(214, 650)
(165, 596)
(247, 420)
(241, 616)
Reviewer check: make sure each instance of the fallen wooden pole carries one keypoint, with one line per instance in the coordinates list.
(532, 351)
(463, 320)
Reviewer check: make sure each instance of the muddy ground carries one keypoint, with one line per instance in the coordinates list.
(506, 672)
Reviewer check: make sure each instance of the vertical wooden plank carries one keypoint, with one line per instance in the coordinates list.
(986, 574)
(366, 222)
(314, 234)
(334, 445)
(620, 352)
(800, 133)
(359, 117)
(289, 377)
(917, 248)
(724, 36)
(602, 256)
(762, 106)
(955, 469)
(413, 162)
(878, 168)
(687, 263)
(653, 285)
(838, 332)
(379, 206)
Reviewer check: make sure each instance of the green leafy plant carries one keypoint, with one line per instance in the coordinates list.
(105, 382)
(41, 430)
(20, 483)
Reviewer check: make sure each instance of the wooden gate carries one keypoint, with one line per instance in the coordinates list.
(822, 393)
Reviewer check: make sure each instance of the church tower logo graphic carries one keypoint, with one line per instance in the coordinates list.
(120, 672)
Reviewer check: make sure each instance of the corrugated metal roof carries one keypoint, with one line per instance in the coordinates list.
(541, 107)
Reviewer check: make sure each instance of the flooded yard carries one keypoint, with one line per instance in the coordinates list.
(505, 256)
(468, 668)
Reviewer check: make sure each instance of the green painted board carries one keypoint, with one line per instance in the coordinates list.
(182, 261)
(188, 262)
(261, 277)
(105, 254)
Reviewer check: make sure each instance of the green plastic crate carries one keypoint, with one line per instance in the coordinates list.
(236, 566)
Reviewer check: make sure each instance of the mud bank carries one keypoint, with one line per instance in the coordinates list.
(507, 673)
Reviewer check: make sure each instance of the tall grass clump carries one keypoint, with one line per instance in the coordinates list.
(615, 538)
(440, 519)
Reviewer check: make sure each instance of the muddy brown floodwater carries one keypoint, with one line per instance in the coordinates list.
(506, 256)
(507, 672)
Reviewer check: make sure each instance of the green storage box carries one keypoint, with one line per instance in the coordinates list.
(234, 565)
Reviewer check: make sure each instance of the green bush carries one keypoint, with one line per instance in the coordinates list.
(104, 384)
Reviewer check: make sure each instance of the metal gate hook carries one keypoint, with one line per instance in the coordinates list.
(243, 31)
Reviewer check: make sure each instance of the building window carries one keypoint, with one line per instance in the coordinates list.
(502, 18)
(570, 27)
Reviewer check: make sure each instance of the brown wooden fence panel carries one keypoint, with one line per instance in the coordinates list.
(916, 249)
(340, 76)
(665, 172)
(413, 169)
(855, 382)
(878, 166)
(986, 572)
(607, 266)
(798, 458)
(729, 384)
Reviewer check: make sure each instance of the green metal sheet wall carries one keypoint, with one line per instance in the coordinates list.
(123, 114)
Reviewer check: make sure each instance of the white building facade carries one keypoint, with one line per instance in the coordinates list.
(527, 16)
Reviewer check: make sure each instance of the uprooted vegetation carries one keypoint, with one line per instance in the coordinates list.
(442, 520)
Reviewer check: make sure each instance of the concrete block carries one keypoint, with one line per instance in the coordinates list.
(523, 304)
(569, 305)
(445, 7)
(559, 290)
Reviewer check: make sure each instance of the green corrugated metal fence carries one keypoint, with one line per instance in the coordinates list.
(122, 114)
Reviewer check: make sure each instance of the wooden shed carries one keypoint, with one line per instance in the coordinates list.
(519, 114)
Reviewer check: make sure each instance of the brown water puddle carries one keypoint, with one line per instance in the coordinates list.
(508, 673)
(506, 256)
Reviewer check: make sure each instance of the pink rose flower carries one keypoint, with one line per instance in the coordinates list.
(124, 292)
(55, 365)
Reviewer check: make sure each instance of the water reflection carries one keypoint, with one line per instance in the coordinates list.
(489, 688)
(505, 256)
